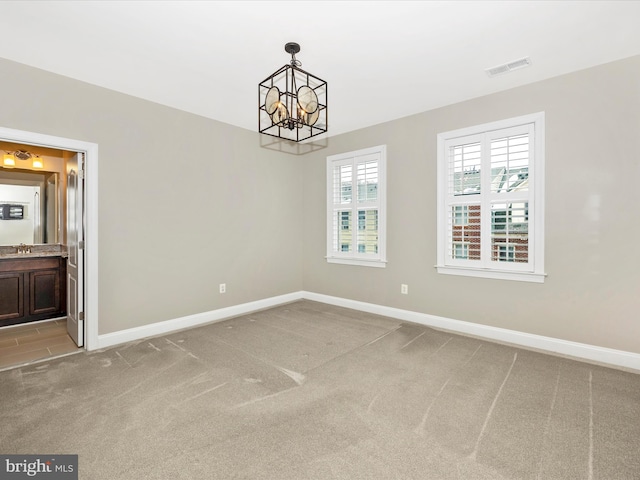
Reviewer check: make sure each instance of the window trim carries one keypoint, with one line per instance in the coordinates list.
(536, 274)
(355, 257)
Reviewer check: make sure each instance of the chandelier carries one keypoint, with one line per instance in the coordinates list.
(292, 102)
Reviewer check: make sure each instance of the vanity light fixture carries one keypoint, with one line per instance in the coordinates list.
(292, 103)
(9, 160)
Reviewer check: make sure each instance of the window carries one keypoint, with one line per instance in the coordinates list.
(345, 221)
(507, 253)
(460, 215)
(491, 200)
(460, 250)
(356, 192)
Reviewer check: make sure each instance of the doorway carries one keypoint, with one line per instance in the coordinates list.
(85, 226)
(35, 341)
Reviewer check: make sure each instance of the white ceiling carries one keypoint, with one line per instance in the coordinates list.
(382, 60)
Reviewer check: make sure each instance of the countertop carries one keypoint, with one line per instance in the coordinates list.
(46, 250)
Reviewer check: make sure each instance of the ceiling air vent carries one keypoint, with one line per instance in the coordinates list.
(508, 67)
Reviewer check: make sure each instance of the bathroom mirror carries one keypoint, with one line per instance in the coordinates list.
(39, 194)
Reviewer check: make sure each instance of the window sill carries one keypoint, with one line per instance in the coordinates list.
(358, 261)
(495, 274)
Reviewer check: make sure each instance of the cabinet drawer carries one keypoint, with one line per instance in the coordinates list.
(27, 264)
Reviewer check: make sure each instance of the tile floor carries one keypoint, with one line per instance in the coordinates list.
(28, 342)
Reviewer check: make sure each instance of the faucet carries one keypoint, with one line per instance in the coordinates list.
(22, 248)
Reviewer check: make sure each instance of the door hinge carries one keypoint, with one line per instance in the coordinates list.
(81, 174)
(81, 316)
(81, 244)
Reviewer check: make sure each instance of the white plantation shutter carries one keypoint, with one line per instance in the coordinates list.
(464, 209)
(356, 207)
(508, 156)
(490, 199)
(342, 192)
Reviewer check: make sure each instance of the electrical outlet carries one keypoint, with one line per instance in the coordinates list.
(404, 289)
(223, 288)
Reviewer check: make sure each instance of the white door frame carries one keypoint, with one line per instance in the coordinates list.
(90, 214)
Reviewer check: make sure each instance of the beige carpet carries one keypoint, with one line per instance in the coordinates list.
(311, 391)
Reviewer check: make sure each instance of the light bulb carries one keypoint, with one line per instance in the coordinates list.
(9, 160)
(281, 114)
(303, 115)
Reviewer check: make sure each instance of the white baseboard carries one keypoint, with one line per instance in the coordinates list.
(168, 326)
(602, 355)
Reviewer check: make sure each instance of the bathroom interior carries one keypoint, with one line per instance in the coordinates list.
(33, 254)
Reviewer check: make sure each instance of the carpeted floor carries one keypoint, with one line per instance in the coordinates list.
(312, 391)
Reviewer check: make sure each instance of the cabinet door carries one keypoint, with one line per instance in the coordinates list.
(44, 292)
(11, 295)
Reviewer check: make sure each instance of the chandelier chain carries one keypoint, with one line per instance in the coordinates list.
(294, 61)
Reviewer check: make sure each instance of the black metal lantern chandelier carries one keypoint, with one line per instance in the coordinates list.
(292, 102)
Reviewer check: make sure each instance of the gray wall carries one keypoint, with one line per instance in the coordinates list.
(592, 292)
(185, 203)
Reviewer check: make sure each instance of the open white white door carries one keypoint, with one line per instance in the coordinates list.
(75, 244)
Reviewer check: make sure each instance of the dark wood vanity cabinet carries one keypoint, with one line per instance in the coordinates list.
(32, 289)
